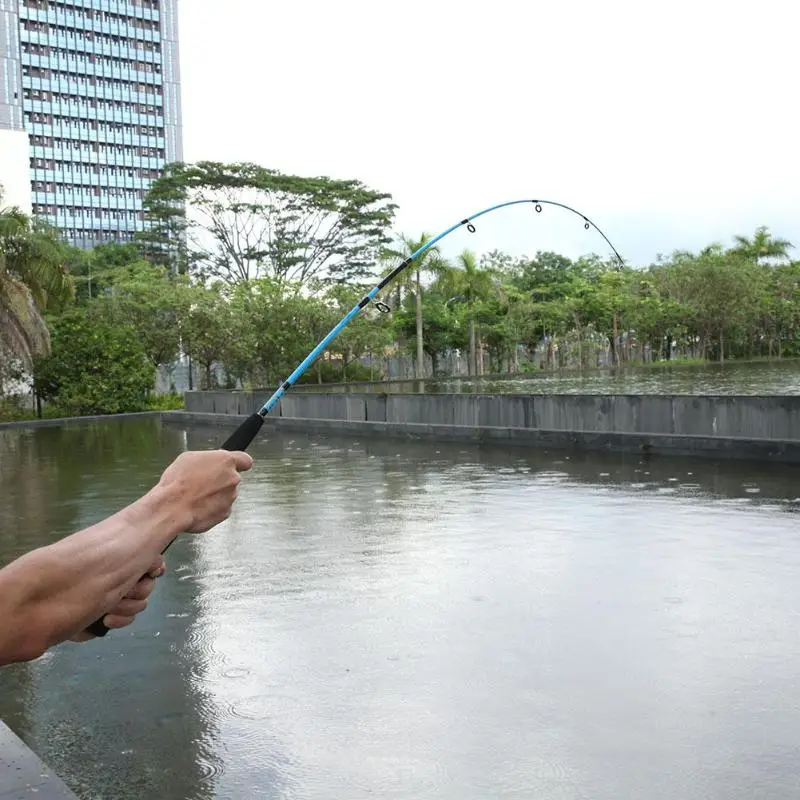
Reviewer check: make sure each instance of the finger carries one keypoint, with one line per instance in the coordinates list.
(142, 590)
(157, 568)
(128, 608)
(242, 461)
(115, 621)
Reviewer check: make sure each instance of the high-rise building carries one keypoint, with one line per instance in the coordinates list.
(95, 87)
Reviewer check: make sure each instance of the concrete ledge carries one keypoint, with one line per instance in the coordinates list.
(23, 774)
(772, 417)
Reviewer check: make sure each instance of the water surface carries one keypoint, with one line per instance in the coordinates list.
(396, 620)
(732, 378)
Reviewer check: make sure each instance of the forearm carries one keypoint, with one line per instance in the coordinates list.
(50, 594)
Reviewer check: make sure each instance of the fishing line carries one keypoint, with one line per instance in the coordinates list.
(241, 438)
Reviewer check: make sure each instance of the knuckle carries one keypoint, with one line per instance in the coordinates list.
(142, 590)
(132, 607)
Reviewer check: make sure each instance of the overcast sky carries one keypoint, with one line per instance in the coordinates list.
(670, 124)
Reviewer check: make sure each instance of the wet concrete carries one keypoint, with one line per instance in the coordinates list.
(23, 774)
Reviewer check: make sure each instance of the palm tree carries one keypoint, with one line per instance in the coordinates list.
(472, 284)
(430, 261)
(762, 245)
(33, 279)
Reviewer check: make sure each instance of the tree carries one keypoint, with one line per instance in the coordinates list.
(442, 333)
(242, 221)
(33, 280)
(722, 291)
(147, 299)
(95, 367)
(782, 308)
(548, 286)
(472, 285)
(658, 319)
(762, 246)
(606, 301)
(430, 261)
(94, 271)
(206, 327)
(492, 317)
(519, 324)
(367, 333)
(546, 270)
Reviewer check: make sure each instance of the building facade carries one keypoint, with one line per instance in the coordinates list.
(95, 85)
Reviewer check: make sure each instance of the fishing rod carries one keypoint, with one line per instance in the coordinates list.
(241, 438)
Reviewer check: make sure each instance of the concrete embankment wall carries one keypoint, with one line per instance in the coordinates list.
(743, 426)
(23, 774)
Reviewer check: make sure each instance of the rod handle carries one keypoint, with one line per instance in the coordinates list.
(239, 440)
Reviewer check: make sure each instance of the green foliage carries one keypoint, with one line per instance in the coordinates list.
(33, 280)
(266, 264)
(369, 332)
(95, 367)
(208, 332)
(166, 402)
(146, 299)
(761, 246)
(12, 410)
(331, 372)
(95, 271)
(410, 282)
(443, 329)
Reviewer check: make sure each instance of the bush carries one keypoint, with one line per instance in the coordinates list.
(95, 367)
(332, 373)
(166, 402)
(359, 372)
(12, 410)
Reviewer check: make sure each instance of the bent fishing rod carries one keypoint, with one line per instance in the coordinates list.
(241, 438)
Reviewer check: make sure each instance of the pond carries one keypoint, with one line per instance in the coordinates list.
(751, 378)
(409, 620)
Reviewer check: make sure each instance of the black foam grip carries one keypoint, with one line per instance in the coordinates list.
(240, 439)
(97, 628)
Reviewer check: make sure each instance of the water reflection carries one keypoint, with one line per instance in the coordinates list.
(417, 620)
(395, 619)
(127, 717)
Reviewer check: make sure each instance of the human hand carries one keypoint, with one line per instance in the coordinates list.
(134, 602)
(205, 483)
